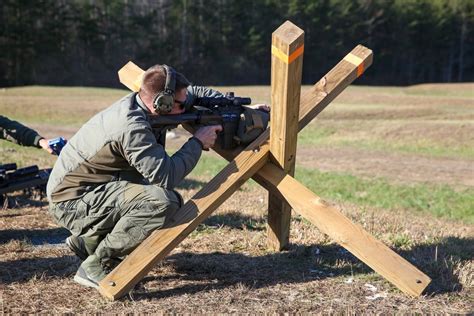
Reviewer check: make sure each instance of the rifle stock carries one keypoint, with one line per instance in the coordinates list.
(228, 117)
(159, 121)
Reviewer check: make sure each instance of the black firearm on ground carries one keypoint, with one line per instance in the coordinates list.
(14, 179)
(240, 125)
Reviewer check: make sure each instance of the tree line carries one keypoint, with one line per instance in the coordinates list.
(224, 42)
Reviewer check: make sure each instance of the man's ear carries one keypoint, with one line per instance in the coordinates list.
(148, 102)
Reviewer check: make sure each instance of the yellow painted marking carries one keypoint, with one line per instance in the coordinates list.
(284, 57)
(357, 61)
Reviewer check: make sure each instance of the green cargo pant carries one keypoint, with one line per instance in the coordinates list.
(117, 216)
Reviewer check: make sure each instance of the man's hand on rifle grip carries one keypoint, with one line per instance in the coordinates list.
(208, 135)
(260, 106)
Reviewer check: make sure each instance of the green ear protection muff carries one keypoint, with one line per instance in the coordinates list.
(164, 101)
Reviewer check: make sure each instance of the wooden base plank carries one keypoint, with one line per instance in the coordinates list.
(349, 235)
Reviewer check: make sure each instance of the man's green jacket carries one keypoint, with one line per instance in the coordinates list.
(119, 144)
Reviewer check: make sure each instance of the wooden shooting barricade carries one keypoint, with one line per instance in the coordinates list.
(270, 160)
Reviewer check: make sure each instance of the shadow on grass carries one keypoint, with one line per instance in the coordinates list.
(216, 271)
(443, 262)
(35, 237)
(188, 184)
(236, 220)
(27, 198)
(9, 215)
(23, 270)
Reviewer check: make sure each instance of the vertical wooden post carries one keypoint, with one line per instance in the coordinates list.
(287, 65)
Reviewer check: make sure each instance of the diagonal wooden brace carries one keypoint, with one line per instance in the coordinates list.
(365, 247)
(351, 236)
(196, 210)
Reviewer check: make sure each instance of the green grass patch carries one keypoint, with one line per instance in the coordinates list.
(316, 135)
(50, 117)
(337, 136)
(25, 156)
(421, 147)
(440, 200)
(208, 166)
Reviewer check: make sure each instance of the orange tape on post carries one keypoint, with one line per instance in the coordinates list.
(356, 61)
(284, 57)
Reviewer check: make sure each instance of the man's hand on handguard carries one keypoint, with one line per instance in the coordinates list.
(208, 135)
(261, 106)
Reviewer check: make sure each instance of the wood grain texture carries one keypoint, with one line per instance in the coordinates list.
(312, 103)
(314, 100)
(398, 271)
(285, 96)
(130, 75)
(349, 235)
(285, 100)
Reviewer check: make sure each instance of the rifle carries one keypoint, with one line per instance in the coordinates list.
(13, 179)
(223, 110)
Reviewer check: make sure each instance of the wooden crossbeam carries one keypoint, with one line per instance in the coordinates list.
(352, 66)
(131, 76)
(287, 67)
(139, 262)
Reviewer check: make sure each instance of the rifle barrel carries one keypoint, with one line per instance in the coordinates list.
(8, 166)
(186, 118)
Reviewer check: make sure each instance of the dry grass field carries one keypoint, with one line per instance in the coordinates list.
(397, 160)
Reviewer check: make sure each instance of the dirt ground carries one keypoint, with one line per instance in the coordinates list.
(225, 267)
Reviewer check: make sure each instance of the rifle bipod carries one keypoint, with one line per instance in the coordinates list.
(31, 180)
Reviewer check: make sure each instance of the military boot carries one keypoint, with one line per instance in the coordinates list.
(83, 247)
(91, 272)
